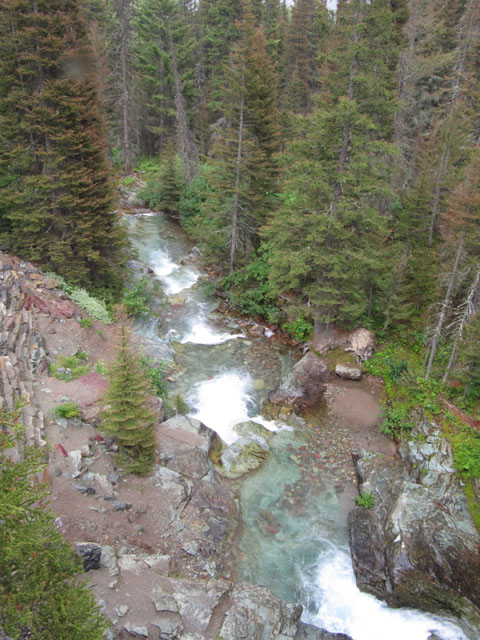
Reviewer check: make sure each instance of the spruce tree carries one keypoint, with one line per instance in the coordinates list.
(128, 415)
(243, 158)
(41, 593)
(328, 241)
(305, 38)
(171, 185)
(165, 50)
(56, 204)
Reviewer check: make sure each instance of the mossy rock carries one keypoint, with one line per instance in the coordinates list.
(241, 457)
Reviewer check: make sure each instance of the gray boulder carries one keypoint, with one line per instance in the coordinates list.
(304, 386)
(417, 546)
(183, 445)
(256, 614)
(307, 632)
(243, 456)
(349, 373)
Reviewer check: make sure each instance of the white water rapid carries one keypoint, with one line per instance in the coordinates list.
(225, 401)
(175, 277)
(342, 608)
(224, 380)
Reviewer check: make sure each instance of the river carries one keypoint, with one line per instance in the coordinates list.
(294, 508)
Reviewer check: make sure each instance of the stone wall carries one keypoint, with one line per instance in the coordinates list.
(22, 353)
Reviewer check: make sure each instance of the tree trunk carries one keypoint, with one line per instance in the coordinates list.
(438, 192)
(124, 33)
(469, 309)
(236, 198)
(444, 308)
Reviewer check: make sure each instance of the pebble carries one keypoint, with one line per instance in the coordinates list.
(122, 506)
(89, 491)
(121, 610)
(113, 477)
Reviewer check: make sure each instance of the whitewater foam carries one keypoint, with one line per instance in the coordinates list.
(343, 608)
(201, 333)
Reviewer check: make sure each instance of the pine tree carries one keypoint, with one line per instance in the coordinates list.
(128, 415)
(56, 204)
(243, 157)
(41, 595)
(219, 31)
(328, 241)
(171, 186)
(165, 50)
(122, 90)
(305, 38)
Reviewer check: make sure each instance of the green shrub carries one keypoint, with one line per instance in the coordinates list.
(396, 422)
(128, 181)
(95, 307)
(155, 373)
(135, 300)
(193, 196)
(300, 329)
(41, 593)
(366, 499)
(101, 367)
(70, 367)
(67, 410)
(466, 451)
(86, 323)
(250, 291)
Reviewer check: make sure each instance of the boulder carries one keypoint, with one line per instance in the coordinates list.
(417, 546)
(362, 342)
(243, 456)
(183, 445)
(91, 555)
(158, 351)
(327, 337)
(308, 632)
(304, 386)
(349, 373)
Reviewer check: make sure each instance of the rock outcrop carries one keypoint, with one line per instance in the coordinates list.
(360, 342)
(22, 352)
(304, 386)
(177, 609)
(417, 546)
(241, 457)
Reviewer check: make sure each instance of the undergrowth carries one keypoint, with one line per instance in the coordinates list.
(95, 307)
(68, 368)
(67, 410)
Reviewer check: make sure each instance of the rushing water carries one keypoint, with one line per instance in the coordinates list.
(295, 539)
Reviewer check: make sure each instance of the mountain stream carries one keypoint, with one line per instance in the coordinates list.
(295, 507)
